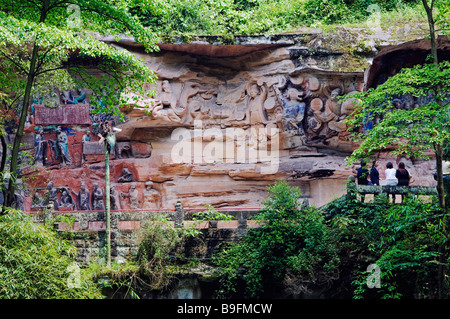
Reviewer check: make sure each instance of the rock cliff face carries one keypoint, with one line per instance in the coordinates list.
(228, 121)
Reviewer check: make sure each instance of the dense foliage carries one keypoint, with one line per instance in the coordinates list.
(164, 250)
(292, 249)
(254, 16)
(414, 130)
(35, 263)
(403, 240)
(302, 251)
(47, 44)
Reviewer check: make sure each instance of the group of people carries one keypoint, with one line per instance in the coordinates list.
(393, 177)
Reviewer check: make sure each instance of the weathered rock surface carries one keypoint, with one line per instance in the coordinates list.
(228, 121)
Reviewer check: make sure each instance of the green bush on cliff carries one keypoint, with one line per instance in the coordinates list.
(35, 263)
(246, 17)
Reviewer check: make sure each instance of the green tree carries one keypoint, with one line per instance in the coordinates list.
(45, 44)
(291, 251)
(419, 128)
(413, 131)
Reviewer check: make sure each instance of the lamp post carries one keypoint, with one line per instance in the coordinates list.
(108, 138)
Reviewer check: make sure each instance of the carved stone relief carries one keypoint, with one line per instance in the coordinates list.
(252, 96)
(66, 199)
(114, 198)
(132, 195)
(126, 177)
(97, 198)
(152, 198)
(83, 198)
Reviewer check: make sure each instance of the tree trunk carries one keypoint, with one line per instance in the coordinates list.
(108, 207)
(19, 133)
(439, 155)
(3, 165)
(441, 194)
(23, 115)
(429, 11)
(440, 176)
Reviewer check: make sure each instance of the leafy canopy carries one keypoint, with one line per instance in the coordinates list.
(413, 129)
(402, 239)
(52, 44)
(121, 72)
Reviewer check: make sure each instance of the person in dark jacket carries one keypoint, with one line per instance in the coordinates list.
(374, 174)
(403, 176)
(362, 174)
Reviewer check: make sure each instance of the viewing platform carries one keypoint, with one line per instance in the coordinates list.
(353, 189)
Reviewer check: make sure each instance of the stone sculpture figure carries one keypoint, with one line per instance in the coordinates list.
(132, 195)
(83, 198)
(19, 199)
(255, 112)
(124, 150)
(81, 98)
(41, 147)
(97, 198)
(107, 135)
(326, 115)
(320, 115)
(66, 199)
(37, 201)
(62, 145)
(294, 111)
(343, 110)
(52, 196)
(255, 115)
(53, 100)
(165, 105)
(68, 98)
(126, 176)
(114, 198)
(85, 139)
(152, 197)
(87, 136)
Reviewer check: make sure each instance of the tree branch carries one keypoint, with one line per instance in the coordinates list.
(14, 62)
(41, 60)
(49, 70)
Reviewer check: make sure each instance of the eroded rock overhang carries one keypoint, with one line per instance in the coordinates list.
(314, 67)
(216, 90)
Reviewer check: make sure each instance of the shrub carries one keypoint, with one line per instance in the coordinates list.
(297, 250)
(245, 17)
(403, 240)
(35, 263)
(291, 251)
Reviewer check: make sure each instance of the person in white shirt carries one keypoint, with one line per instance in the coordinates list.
(391, 180)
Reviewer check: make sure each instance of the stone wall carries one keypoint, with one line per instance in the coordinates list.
(87, 230)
